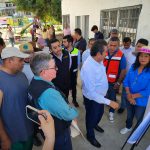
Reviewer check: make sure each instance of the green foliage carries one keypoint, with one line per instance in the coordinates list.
(44, 9)
(58, 28)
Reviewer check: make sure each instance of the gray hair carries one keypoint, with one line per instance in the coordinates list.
(40, 62)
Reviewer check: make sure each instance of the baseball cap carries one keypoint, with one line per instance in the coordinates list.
(145, 49)
(114, 31)
(26, 48)
(12, 52)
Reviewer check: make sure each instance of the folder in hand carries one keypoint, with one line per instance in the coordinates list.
(75, 131)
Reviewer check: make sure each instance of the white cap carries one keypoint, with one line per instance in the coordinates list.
(12, 52)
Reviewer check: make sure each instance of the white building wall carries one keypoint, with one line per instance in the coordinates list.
(93, 8)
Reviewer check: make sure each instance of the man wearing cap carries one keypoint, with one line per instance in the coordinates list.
(113, 33)
(27, 48)
(17, 129)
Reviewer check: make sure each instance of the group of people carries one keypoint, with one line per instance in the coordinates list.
(43, 76)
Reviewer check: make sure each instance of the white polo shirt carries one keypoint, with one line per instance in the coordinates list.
(130, 58)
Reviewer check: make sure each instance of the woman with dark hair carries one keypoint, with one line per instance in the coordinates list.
(137, 85)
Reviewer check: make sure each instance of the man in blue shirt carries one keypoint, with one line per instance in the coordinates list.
(17, 129)
(115, 64)
(48, 97)
(86, 53)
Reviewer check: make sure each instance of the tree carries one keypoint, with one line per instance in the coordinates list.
(44, 9)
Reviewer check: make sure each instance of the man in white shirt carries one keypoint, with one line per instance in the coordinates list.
(127, 50)
(94, 88)
(86, 53)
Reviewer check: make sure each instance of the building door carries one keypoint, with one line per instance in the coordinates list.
(78, 21)
(85, 26)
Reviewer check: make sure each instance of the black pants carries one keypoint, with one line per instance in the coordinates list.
(94, 113)
(73, 84)
(63, 141)
(66, 92)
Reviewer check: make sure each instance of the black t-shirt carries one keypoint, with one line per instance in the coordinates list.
(80, 44)
(99, 35)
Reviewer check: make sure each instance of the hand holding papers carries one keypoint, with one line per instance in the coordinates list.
(75, 131)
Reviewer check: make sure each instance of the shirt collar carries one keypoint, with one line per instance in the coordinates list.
(60, 58)
(40, 78)
(94, 61)
(130, 48)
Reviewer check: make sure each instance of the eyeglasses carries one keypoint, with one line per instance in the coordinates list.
(55, 68)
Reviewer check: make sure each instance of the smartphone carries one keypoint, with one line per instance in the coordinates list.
(32, 114)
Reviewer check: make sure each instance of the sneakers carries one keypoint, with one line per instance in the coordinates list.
(111, 117)
(125, 130)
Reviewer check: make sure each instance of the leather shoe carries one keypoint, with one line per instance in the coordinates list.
(94, 142)
(99, 129)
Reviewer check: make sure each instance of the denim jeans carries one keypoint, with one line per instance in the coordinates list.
(134, 110)
(123, 99)
(111, 94)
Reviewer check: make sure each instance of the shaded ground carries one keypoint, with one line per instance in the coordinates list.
(111, 139)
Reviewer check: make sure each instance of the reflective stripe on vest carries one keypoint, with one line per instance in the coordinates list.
(112, 66)
(74, 52)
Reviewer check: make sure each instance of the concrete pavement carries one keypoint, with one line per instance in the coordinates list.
(111, 139)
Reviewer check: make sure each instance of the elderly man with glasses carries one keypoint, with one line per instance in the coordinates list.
(46, 96)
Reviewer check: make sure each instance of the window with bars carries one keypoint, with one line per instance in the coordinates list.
(124, 19)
